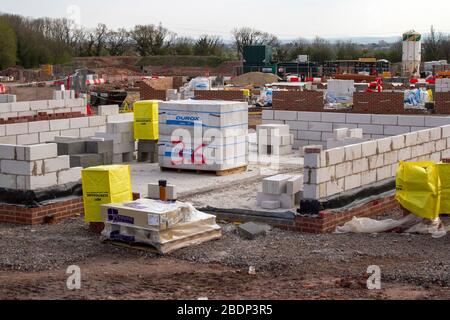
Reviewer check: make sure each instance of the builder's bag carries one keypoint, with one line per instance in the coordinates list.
(418, 188)
(105, 185)
(444, 187)
(146, 119)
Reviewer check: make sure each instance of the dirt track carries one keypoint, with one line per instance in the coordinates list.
(289, 266)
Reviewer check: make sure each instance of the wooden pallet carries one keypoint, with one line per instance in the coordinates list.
(220, 173)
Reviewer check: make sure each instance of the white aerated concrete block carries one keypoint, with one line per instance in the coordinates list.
(7, 151)
(37, 182)
(369, 148)
(8, 181)
(359, 118)
(153, 191)
(417, 121)
(38, 152)
(57, 164)
(69, 176)
(271, 205)
(385, 119)
(59, 124)
(24, 168)
(309, 116)
(76, 123)
(295, 185)
(27, 139)
(16, 128)
(38, 126)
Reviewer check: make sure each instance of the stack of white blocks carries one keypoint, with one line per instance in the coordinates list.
(35, 167)
(213, 133)
(63, 95)
(341, 87)
(281, 191)
(274, 139)
(121, 131)
(32, 108)
(442, 85)
(8, 98)
(345, 137)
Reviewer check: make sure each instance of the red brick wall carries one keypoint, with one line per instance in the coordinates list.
(298, 100)
(32, 216)
(219, 95)
(442, 102)
(148, 93)
(327, 221)
(378, 103)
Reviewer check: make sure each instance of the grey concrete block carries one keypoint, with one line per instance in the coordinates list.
(71, 147)
(99, 146)
(252, 230)
(85, 160)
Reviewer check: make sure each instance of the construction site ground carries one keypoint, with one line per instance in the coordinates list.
(34, 260)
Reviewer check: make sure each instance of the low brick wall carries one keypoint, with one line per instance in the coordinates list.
(378, 103)
(149, 93)
(310, 128)
(298, 100)
(355, 167)
(52, 212)
(442, 102)
(232, 95)
(327, 221)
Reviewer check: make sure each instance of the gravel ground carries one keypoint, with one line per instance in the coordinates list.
(416, 260)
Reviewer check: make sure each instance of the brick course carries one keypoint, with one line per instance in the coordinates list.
(57, 212)
(298, 100)
(232, 95)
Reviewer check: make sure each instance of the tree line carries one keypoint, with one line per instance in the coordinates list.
(30, 42)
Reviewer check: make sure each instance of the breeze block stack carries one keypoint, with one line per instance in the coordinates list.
(274, 139)
(203, 135)
(35, 167)
(90, 152)
(281, 191)
(122, 133)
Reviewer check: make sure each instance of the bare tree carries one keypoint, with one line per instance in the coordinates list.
(248, 36)
(431, 45)
(117, 42)
(208, 46)
(150, 39)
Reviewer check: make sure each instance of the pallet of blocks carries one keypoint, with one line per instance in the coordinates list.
(165, 226)
(209, 136)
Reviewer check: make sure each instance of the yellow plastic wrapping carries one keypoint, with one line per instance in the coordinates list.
(246, 92)
(444, 178)
(104, 185)
(418, 188)
(430, 94)
(146, 120)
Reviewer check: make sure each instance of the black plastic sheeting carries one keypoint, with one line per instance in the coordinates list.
(33, 198)
(313, 207)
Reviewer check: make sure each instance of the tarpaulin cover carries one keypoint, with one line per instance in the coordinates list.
(103, 185)
(146, 120)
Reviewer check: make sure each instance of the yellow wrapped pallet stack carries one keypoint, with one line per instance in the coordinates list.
(105, 185)
(146, 120)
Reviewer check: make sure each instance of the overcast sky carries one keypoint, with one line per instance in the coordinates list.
(287, 19)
